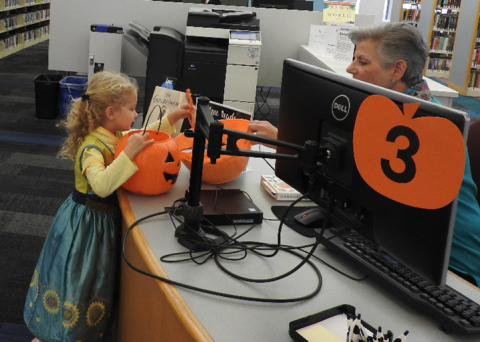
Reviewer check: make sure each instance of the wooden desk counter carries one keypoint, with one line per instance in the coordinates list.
(151, 310)
(150, 307)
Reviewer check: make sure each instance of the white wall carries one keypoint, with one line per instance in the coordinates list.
(375, 7)
(282, 31)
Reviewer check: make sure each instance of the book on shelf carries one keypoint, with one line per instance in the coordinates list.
(474, 80)
(411, 15)
(476, 58)
(439, 64)
(449, 4)
(278, 189)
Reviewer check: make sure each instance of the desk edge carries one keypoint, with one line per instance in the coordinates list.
(178, 305)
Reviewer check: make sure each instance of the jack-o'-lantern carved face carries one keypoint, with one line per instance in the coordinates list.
(172, 166)
(158, 164)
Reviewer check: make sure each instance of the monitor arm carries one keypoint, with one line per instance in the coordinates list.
(190, 233)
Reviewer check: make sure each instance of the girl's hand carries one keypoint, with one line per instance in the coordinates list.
(136, 143)
(179, 114)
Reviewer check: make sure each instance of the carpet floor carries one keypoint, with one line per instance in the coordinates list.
(15, 333)
(33, 182)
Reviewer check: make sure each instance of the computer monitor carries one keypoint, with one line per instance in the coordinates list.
(279, 4)
(419, 238)
(243, 3)
(284, 4)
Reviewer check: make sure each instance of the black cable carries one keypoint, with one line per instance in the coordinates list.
(241, 247)
(264, 103)
(218, 252)
(338, 233)
(282, 276)
(216, 293)
(300, 248)
(266, 161)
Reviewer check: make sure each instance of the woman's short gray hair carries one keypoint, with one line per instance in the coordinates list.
(397, 41)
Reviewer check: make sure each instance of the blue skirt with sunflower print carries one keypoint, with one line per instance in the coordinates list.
(74, 283)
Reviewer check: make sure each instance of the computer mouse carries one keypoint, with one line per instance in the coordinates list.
(311, 218)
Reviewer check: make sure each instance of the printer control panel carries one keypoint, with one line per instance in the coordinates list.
(243, 36)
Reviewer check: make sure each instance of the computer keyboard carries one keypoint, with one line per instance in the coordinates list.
(455, 312)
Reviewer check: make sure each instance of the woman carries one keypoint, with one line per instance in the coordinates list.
(394, 56)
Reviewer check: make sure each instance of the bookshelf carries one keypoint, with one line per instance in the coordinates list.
(23, 23)
(452, 29)
(465, 71)
(442, 38)
(410, 12)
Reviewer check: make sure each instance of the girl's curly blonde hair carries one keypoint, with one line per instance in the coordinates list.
(87, 112)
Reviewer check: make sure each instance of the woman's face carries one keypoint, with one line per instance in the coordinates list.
(366, 65)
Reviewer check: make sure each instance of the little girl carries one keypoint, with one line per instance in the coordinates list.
(74, 282)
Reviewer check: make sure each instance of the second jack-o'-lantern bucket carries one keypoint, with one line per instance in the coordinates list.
(158, 164)
(227, 168)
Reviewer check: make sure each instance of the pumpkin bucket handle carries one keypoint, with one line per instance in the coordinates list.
(148, 119)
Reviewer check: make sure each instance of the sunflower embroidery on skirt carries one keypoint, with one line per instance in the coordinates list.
(72, 311)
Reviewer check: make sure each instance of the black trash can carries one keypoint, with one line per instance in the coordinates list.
(47, 95)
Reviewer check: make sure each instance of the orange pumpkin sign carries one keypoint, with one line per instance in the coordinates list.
(158, 164)
(418, 162)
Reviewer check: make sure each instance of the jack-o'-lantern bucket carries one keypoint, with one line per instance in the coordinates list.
(158, 164)
(227, 168)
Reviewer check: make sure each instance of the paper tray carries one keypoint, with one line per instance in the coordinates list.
(325, 326)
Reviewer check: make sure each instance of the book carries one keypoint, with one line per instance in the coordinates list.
(221, 112)
(164, 101)
(278, 189)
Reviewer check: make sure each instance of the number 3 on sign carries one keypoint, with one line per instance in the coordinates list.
(418, 162)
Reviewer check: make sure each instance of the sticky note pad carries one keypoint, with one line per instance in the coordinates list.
(318, 333)
(333, 329)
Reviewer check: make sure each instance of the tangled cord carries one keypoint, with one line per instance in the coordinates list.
(217, 293)
(264, 103)
(234, 250)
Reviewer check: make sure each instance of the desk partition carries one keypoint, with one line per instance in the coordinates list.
(151, 310)
(443, 94)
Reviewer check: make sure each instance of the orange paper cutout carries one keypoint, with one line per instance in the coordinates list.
(191, 117)
(418, 162)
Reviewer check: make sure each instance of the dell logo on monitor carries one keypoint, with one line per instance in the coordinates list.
(340, 107)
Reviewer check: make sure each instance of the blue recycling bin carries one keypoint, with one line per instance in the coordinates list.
(71, 87)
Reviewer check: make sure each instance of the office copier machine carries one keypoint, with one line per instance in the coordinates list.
(222, 56)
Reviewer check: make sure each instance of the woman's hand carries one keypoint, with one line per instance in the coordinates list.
(263, 129)
(136, 143)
